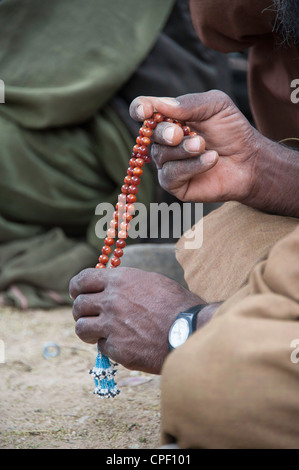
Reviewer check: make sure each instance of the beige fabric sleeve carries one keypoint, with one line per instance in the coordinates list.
(235, 383)
(235, 239)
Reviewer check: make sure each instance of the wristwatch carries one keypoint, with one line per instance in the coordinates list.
(183, 326)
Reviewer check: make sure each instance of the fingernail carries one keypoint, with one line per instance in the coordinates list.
(168, 134)
(192, 145)
(208, 158)
(169, 101)
(140, 112)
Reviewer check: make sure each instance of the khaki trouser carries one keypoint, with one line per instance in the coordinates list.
(235, 382)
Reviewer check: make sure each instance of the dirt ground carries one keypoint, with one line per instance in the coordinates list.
(49, 403)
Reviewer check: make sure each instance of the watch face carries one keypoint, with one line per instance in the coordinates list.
(179, 332)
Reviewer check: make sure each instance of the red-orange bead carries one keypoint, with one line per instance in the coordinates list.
(191, 134)
(127, 179)
(131, 198)
(125, 226)
(141, 130)
(135, 180)
(120, 206)
(147, 159)
(125, 188)
(186, 130)
(136, 148)
(143, 150)
(114, 224)
(133, 189)
(139, 140)
(115, 261)
(127, 217)
(158, 117)
(132, 161)
(122, 234)
(100, 266)
(146, 132)
(103, 259)
(111, 232)
(151, 123)
(137, 171)
(130, 208)
(139, 155)
(130, 171)
(118, 252)
(168, 120)
(139, 162)
(120, 243)
(121, 198)
(145, 141)
(109, 241)
(106, 250)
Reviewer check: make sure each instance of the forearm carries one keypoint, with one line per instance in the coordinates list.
(276, 179)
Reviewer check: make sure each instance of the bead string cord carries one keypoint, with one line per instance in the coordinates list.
(104, 371)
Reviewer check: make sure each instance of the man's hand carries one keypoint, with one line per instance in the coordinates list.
(230, 161)
(218, 165)
(129, 313)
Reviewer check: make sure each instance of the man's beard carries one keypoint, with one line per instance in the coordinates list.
(287, 20)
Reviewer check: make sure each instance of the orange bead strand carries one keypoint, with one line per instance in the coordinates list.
(125, 208)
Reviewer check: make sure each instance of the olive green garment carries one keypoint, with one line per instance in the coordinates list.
(63, 149)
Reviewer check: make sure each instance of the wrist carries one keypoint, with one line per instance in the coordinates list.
(259, 163)
(207, 314)
(275, 173)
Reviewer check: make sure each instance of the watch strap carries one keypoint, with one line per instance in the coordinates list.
(196, 309)
(191, 313)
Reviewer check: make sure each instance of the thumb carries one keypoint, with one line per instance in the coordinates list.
(187, 108)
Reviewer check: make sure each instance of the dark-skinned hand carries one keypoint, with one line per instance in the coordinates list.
(129, 313)
(217, 165)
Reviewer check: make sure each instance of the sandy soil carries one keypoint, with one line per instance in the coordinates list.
(49, 403)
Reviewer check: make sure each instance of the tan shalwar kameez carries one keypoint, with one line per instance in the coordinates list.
(235, 382)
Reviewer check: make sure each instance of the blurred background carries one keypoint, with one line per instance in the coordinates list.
(71, 71)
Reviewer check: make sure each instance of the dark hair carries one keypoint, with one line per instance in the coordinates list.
(287, 20)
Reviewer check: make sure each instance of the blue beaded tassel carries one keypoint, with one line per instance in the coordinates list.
(103, 374)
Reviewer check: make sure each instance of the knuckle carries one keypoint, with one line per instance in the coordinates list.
(80, 328)
(221, 98)
(73, 287)
(157, 154)
(84, 273)
(84, 332)
(133, 107)
(75, 284)
(218, 94)
(165, 176)
(79, 306)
